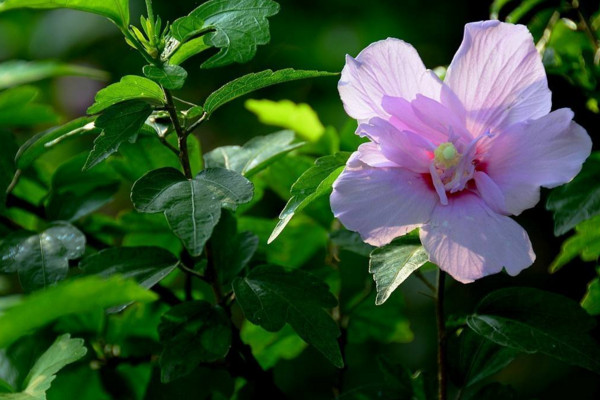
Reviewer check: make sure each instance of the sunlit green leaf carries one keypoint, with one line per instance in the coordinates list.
(188, 49)
(251, 82)
(115, 10)
(271, 297)
(69, 297)
(192, 207)
(531, 321)
(17, 72)
(313, 183)
(591, 300)
(579, 199)
(270, 347)
(192, 333)
(236, 27)
(169, 76)
(584, 243)
(119, 123)
(131, 87)
(42, 259)
(392, 264)
(254, 156)
(300, 118)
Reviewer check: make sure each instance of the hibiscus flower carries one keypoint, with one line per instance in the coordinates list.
(455, 158)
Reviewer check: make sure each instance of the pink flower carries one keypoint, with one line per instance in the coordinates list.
(455, 158)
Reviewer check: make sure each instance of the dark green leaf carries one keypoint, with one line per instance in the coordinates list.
(192, 207)
(231, 251)
(473, 358)
(119, 123)
(251, 82)
(42, 259)
(313, 183)
(531, 320)
(115, 10)
(254, 156)
(585, 243)
(69, 297)
(270, 297)
(146, 265)
(130, 87)
(7, 165)
(579, 199)
(392, 264)
(17, 107)
(239, 26)
(169, 76)
(17, 72)
(75, 193)
(270, 347)
(192, 333)
(351, 241)
(44, 141)
(492, 391)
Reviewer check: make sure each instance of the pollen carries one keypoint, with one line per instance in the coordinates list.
(446, 155)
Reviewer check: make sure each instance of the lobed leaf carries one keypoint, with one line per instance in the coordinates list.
(236, 27)
(271, 297)
(312, 184)
(251, 82)
(254, 156)
(192, 207)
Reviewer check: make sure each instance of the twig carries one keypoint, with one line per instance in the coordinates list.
(196, 124)
(441, 336)
(182, 135)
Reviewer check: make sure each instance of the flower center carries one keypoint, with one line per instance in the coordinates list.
(446, 155)
(450, 169)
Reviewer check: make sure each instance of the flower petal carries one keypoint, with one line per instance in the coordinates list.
(381, 203)
(388, 67)
(469, 241)
(498, 75)
(545, 152)
(370, 154)
(490, 192)
(404, 148)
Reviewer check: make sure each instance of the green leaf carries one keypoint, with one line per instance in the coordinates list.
(270, 297)
(17, 107)
(312, 184)
(300, 118)
(393, 263)
(192, 207)
(188, 49)
(531, 320)
(270, 347)
(62, 352)
(251, 82)
(42, 259)
(254, 156)
(473, 358)
(169, 76)
(231, 251)
(46, 140)
(70, 297)
(7, 165)
(115, 10)
(579, 199)
(239, 26)
(146, 265)
(18, 72)
(591, 300)
(119, 123)
(192, 333)
(75, 193)
(130, 87)
(585, 243)
(351, 241)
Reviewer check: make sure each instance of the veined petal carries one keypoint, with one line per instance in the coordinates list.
(404, 148)
(388, 67)
(381, 203)
(498, 76)
(370, 154)
(490, 192)
(545, 152)
(469, 241)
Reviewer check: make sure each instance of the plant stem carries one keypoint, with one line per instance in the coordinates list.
(441, 336)
(184, 157)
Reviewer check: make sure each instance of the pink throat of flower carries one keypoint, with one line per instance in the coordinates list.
(453, 166)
